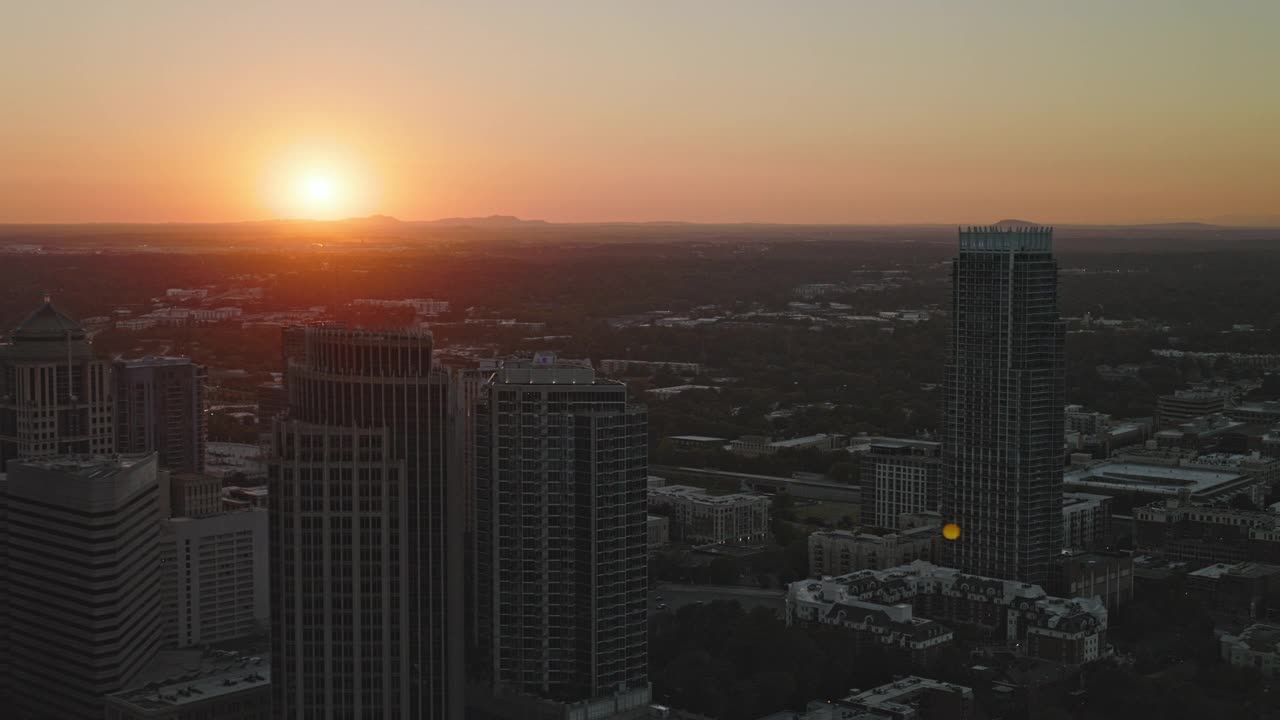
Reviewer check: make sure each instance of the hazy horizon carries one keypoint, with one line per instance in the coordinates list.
(866, 113)
(1259, 222)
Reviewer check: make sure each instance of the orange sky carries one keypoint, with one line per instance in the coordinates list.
(717, 110)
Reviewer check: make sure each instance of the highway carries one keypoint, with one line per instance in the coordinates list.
(677, 596)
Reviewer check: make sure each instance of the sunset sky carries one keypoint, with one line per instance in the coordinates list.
(700, 110)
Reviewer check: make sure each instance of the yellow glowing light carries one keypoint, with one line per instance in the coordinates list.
(951, 531)
(319, 188)
(318, 181)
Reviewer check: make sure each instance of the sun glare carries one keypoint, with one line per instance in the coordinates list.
(319, 188)
(319, 197)
(310, 182)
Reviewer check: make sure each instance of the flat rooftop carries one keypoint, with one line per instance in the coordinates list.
(700, 495)
(198, 679)
(901, 694)
(1152, 479)
(88, 466)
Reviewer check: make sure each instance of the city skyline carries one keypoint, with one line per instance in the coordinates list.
(862, 113)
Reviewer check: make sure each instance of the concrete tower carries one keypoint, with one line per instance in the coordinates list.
(1002, 444)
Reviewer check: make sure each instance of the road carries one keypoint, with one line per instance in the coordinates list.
(677, 596)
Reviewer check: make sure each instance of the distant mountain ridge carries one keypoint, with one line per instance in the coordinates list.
(498, 221)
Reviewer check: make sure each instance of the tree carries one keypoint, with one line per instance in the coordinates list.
(725, 571)
(1242, 502)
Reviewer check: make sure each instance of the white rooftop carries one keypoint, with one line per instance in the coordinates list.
(1157, 479)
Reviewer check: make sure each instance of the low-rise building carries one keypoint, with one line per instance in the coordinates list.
(1022, 616)
(180, 294)
(699, 517)
(1266, 411)
(670, 392)
(1199, 535)
(1258, 647)
(1182, 405)
(697, 442)
(1237, 593)
(1201, 434)
(1133, 484)
(757, 445)
(912, 698)
(618, 367)
(1106, 576)
(217, 688)
(839, 552)
(1256, 465)
(1270, 443)
(658, 531)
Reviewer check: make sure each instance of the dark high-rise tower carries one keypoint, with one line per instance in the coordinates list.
(84, 581)
(561, 558)
(160, 408)
(1002, 444)
(366, 559)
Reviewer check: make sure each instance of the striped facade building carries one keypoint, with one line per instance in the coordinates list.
(82, 569)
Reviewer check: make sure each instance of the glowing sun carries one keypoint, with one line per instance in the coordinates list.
(319, 195)
(315, 182)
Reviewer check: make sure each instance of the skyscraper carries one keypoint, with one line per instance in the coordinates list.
(366, 555)
(160, 408)
(561, 544)
(84, 578)
(55, 395)
(1002, 444)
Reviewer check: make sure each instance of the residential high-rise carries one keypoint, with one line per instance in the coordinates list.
(898, 477)
(83, 568)
(220, 588)
(366, 552)
(468, 393)
(160, 408)
(1002, 443)
(55, 395)
(561, 525)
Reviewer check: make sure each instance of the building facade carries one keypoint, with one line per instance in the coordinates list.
(1107, 576)
(1257, 648)
(366, 576)
(239, 691)
(1236, 594)
(55, 395)
(1202, 535)
(1020, 615)
(562, 527)
(221, 576)
(1085, 520)
(911, 698)
(1184, 405)
(699, 518)
(160, 408)
(899, 477)
(657, 531)
(839, 552)
(1003, 407)
(83, 557)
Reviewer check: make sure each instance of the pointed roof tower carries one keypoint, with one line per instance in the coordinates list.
(47, 333)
